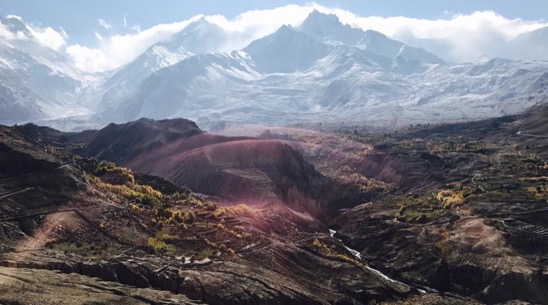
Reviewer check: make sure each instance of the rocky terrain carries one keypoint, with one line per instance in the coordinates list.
(61, 212)
(482, 232)
(259, 172)
(450, 214)
(39, 286)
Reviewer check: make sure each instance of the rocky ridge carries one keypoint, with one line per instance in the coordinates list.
(76, 216)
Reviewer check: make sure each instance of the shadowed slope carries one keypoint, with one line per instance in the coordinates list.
(253, 171)
(120, 143)
(238, 169)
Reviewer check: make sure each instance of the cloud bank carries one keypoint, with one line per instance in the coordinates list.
(456, 38)
(461, 37)
(14, 28)
(116, 50)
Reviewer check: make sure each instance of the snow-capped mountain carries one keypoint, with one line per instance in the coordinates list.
(326, 71)
(37, 82)
(328, 29)
(319, 71)
(199, 37)
(285, 51)
(206, 75)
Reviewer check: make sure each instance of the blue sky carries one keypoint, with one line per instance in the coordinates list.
(79, 18)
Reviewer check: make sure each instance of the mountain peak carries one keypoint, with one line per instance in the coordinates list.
(317, 17)
(198, 27)
(328, 28)
(285, 51)
(200, 23)
(285, 29)
(200, 36)
(284, 33)
(16, 25)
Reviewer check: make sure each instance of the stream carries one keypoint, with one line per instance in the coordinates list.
(358, 256)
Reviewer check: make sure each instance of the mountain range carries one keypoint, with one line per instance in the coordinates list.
(320, 71)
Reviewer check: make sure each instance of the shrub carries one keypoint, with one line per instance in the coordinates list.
(147, 190)
(449, 197)
(178, 195)
(190, 216)
(150, 200)
(104, 166)
(127, 177)
(139, 193)
(93, 179)
(240, 210)
(166, 213)
(211, 206)
(316, 243)
(179, 216)
(204, 254)
(156, 244)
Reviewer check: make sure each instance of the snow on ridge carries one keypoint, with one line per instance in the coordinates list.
(321, 71)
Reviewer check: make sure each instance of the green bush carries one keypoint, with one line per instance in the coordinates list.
(156, 244)
(204, 254)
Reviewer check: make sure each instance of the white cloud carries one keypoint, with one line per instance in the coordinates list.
(49, 37)
(457, 37)
(263, 22)
(116, 50)
(88, 59)
(104, 24)
(6, 34)
(46, 36)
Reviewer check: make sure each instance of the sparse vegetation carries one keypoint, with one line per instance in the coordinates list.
(177, 217)
(450, 197)
(239, 210)
(333, 251)
(206, 253)
(156, 244)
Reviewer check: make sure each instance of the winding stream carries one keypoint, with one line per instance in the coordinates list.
(358, 256)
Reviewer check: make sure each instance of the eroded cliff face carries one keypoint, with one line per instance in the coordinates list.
(257, 172)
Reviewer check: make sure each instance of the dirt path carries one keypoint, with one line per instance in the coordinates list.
(16, 192)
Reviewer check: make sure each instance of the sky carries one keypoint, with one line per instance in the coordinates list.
(79, 18)
(101, 35)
